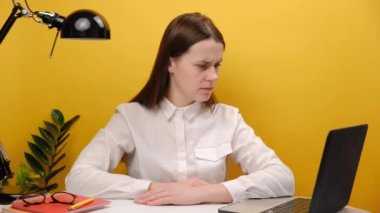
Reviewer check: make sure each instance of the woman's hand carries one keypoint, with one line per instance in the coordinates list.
(170, 193)
(191, 191)
(195, 182)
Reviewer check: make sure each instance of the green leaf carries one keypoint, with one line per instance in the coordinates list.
(52, 127)
(19, 179)
(61, 140)
(33, 175)
(47, 136)
(54, 173)
(36, 166)
(57, 161)
(51, 187)
(62, 136)
(42, 144)
(59, 150)
(38, 153)
(66, 126)
(57, 117)
(23, 168)
(27, 180)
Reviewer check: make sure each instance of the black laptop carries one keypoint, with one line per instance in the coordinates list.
(334, 182)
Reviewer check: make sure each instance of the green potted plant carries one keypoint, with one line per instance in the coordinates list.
(47, 151)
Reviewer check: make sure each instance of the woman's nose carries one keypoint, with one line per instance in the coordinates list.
(212, 74)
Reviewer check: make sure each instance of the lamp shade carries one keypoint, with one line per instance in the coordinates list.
(85, 24)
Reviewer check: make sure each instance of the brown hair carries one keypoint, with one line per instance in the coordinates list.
(182, 32)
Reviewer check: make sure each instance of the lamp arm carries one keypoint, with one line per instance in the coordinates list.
(11, 20)
(51, 19)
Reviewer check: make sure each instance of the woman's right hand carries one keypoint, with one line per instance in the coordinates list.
(189, 192)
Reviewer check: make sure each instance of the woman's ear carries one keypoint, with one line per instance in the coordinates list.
(171, 65)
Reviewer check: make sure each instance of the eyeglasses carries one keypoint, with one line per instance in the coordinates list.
(58, 197)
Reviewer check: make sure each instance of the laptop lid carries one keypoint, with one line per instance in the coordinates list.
(337, 169)
(336, 175)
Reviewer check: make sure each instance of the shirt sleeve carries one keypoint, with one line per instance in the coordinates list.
(91, 173)
(266, 175)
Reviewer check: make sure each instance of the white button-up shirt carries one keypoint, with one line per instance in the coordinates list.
(171, 144)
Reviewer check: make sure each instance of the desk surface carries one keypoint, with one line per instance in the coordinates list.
(123, 205)
(117, 206)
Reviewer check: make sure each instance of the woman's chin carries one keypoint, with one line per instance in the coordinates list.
(203, 98)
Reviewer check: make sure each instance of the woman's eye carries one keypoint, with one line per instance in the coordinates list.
(202, 66)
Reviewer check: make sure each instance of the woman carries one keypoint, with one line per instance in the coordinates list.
(176, 137)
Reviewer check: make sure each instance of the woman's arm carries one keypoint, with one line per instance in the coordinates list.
(91, 174)
(266, 175)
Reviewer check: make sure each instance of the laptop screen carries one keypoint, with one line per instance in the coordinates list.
(338, 168)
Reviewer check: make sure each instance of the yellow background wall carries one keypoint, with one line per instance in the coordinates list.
(295, 68)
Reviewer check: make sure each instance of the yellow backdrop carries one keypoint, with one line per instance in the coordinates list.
(295, 68)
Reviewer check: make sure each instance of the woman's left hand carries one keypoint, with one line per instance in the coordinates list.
(192, 191)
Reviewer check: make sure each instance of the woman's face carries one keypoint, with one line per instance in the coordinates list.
(193, 74)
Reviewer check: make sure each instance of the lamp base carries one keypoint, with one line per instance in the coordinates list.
(6, 199)
(9, 194)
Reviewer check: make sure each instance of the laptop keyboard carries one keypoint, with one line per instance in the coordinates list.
(298, 205)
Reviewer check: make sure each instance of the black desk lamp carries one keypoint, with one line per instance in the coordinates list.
(5, 173)
(81, 24)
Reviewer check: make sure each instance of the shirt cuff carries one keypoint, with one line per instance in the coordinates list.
(235, 189)
(141, 187)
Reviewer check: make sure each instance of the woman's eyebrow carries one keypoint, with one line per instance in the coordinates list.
(208, 61)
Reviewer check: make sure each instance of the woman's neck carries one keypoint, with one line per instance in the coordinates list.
(178, 101)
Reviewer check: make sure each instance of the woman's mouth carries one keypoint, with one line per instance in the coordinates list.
(207, 89)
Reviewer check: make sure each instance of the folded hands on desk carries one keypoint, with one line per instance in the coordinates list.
(191, 191)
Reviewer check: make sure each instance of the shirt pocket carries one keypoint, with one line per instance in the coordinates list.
(211, 162)
(213, 153)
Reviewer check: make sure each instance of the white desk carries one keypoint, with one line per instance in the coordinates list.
(117, 206)
(130, 206)
(259, 205)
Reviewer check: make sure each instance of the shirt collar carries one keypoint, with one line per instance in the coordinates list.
(169, 109)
